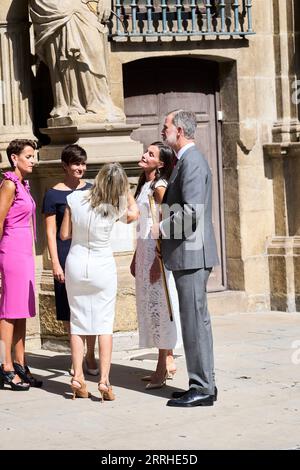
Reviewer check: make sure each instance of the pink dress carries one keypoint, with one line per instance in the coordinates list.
(16, 255)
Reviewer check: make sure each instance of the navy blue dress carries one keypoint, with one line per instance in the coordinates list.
(54, 203)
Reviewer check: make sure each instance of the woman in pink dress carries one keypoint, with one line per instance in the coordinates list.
(17, 211)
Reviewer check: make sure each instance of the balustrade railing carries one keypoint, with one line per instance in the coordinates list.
(146, 18)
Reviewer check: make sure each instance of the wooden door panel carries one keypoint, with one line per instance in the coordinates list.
(150, 103)
(168, 84)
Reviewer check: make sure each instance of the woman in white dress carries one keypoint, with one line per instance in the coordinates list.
(90, 273)
(155, 327)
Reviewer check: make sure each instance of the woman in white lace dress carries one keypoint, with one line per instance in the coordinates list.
(155, 327)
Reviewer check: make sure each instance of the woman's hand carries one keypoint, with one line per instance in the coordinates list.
(155, 271)
(58, 273)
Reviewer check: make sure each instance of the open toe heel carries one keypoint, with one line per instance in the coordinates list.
(80, 391)
(106, 392)
(154, 385)
(7, 377)
(171, 374)
(25, 374)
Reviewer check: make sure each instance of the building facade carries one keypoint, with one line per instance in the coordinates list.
(235, 64)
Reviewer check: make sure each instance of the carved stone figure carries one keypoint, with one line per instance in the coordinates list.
(70, 39)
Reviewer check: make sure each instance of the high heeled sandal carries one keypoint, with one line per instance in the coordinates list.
(7, 377)
(154, 385)
(106, 392)
(170, 376)
(171, 373)
(27, 377)
(81, 391)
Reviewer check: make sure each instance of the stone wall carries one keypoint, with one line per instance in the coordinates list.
(15, 74)
(248, 101)
(261, 182)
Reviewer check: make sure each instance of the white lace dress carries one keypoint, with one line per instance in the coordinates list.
(155, 327)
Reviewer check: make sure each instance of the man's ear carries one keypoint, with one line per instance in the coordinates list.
(180, 131)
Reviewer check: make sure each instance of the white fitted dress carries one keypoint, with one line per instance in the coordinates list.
(91, 276)
(155, 327)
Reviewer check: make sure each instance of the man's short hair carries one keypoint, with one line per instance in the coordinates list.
(186, 120)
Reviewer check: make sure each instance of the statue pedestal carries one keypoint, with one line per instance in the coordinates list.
(103, 143)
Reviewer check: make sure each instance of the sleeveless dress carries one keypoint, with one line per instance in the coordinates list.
(155, 327)
(91, 275)
(16, 255)
(54, 203)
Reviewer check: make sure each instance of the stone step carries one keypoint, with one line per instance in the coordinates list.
(222, 303)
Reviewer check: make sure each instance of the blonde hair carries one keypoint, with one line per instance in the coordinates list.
(108, 194)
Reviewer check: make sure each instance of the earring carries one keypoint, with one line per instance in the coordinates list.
(158, 171)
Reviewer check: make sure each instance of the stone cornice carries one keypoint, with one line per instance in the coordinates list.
(282, 150)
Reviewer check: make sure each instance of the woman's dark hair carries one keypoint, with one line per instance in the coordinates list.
(168, 157)
(73, 154)
(17, 146)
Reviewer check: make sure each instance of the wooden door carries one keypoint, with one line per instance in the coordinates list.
(154, 87)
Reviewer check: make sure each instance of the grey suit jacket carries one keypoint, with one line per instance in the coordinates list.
(188, 240)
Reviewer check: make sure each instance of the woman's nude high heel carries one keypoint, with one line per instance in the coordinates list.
(106, 392)
(81, 391)
(154, 385)
(170, 373)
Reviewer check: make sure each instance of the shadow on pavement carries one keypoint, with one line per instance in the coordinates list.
(122, 375)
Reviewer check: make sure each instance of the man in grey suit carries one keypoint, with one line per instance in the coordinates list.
(188, 249)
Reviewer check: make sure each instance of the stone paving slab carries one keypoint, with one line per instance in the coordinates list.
(258, 405)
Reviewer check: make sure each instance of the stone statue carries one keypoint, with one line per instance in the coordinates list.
(70, 39)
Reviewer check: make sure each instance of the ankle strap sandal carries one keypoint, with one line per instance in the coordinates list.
(7, 377)
(26, 375)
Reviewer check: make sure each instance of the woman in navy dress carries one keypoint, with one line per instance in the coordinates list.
(73, 159)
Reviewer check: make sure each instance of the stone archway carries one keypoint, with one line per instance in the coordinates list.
(155, 86)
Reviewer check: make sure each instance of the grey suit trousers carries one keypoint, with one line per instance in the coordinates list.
(196, 327)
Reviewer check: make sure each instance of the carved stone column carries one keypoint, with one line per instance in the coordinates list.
(283, 157)
(15, 73)
(283, 248)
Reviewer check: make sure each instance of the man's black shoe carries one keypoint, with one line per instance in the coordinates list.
(192, 398)
(180, 394)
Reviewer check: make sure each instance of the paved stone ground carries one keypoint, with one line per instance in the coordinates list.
(258, 375)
